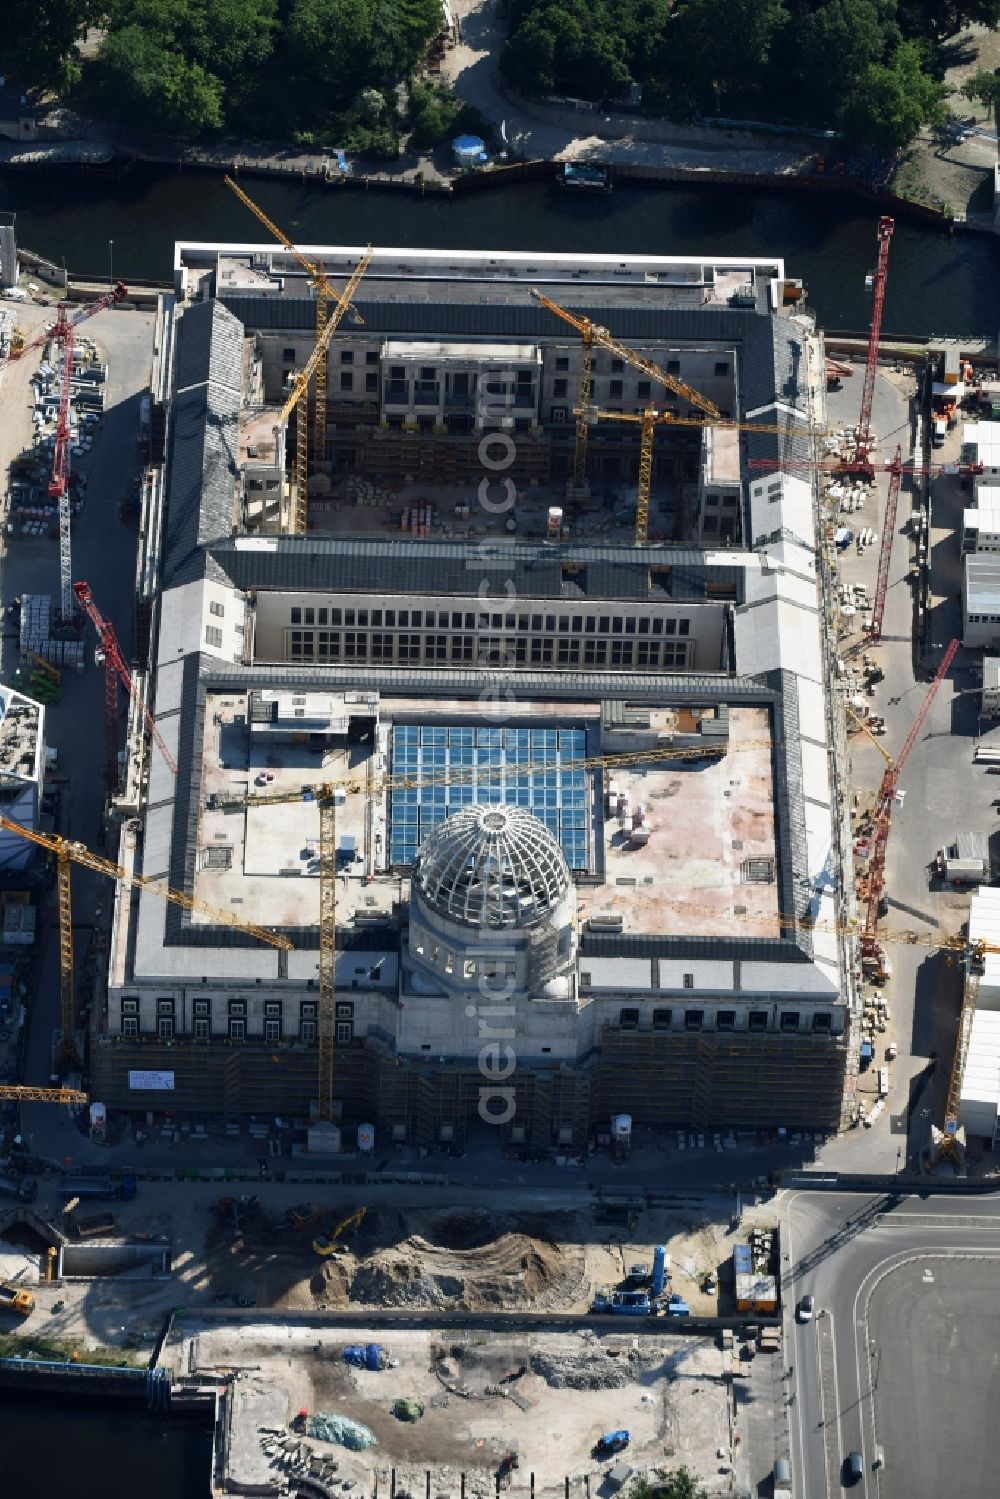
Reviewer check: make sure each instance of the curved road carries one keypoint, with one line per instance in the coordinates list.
(900, 1356)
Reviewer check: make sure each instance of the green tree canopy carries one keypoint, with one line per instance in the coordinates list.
(40, 36)
(890, 102)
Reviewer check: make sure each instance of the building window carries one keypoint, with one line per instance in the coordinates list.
(371, 356)
(130, 1026)
(758, 1020)
(237, 1007)
(202, 1007)
(201, 1030)
(615, 390)
(661, 1020)
(673, 366)
(288, 355)
(694, 1020)
(164, 1007)
(307, 1031)
(165, 1027)
(822, 1021)
(345, 1032)
(725, 1020)
(237, 1029)
(130, 1007)
(559, 389)
(272, 1030)
(689, 981)
(629, 1020)
(562, 362)
(643, 390)
(371, 383)
(346, 380)
(347, 356)
(721, 368)
(789, 1020)
(296, 616)
(272, 1009)
(219, 610)
(213, 636)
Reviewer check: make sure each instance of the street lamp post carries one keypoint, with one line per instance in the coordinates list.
(111, 261)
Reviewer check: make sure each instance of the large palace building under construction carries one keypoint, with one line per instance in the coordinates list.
(506, 777)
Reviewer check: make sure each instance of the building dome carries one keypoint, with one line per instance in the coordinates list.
(494, 866)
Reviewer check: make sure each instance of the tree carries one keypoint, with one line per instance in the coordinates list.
(983, 88)
(724, 64)
(852, 31)
(40, 38)
(890, 102)
(155, 88)
(678, 1484)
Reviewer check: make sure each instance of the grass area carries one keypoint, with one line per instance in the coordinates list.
(29, 1345)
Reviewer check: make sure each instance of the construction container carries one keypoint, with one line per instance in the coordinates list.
(555, 521)
(741, 1259)
(661, 1261)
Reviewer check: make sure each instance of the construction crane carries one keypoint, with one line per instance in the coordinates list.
(592, 333)
(648, 420)
(67, 854)
(948, 1143)
(325, 796)
(296, 399)
(115, 668)
(871, 951)
(885, 550)
(24, 1093)
(325, 294)
(860, 724)
(63, 333)
(861, 461)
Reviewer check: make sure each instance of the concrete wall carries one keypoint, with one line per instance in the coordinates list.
(687, 636)
(136, 1261)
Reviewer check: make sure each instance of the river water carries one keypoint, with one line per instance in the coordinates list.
(938, 283)
(82, 1449)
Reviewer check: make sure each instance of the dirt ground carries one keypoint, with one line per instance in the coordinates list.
(485, 1394)
(473, 1260)
(944, 173)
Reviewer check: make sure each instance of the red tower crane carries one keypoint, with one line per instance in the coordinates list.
(64, 334)
(885, 551)
(882, 817)
(862, 440)
(115, 668)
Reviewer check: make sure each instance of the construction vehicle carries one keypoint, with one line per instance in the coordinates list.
(297, 398)
(329, 1243)
(91, 1226)
(612, 1442)
(115, 669)
(14, 1299)
(301, 1216)
(591, 334)
(325, 294)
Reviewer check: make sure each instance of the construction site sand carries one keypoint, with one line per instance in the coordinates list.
(668, 1392)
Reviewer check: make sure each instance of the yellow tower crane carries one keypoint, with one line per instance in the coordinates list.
(67, 854)
(593, 333)
(297, 396)
(325, 294)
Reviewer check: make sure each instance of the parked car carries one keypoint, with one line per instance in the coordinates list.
(804, 1311)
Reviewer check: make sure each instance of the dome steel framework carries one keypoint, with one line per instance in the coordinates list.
(492, 866)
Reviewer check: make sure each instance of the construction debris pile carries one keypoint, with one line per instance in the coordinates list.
(329, 1427)
(593, 1371)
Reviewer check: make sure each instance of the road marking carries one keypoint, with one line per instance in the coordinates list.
(928, 1279)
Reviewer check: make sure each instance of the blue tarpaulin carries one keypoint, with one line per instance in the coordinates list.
(364, 1356)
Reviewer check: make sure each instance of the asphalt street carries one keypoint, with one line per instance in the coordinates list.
(900, 1358)
(104, 554)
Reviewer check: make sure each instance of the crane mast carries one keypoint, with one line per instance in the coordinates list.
(863, 441)
(885, 551)
(115, 668)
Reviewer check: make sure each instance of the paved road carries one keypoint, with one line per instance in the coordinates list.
(872, 1370)
(104, 554)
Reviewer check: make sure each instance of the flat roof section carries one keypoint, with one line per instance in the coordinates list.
(262, 862)
(709, 867)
